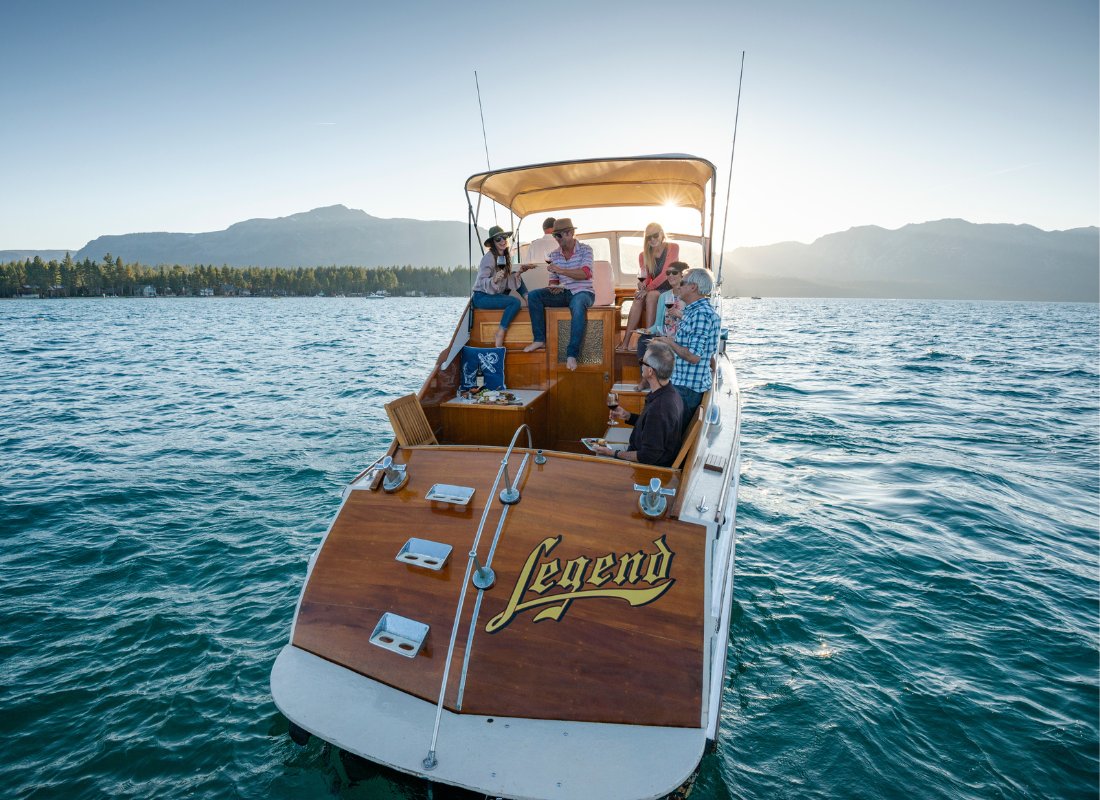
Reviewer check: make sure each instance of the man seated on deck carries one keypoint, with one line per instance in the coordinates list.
(570, 286)
(696, 340)
(657, 430)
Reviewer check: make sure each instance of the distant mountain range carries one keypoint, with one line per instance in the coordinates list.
(332, 236)
(951, 258)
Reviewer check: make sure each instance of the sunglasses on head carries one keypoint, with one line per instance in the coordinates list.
(561, 234)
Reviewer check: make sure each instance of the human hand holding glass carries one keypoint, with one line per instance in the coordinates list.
(555, 279)
(612, 404)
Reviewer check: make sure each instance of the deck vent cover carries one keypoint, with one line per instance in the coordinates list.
(399, 634)
(424, 553)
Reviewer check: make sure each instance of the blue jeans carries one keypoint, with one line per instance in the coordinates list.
(509, 302)
(691, 400)
(541, 299)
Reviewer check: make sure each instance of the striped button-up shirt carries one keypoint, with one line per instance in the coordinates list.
(698, 332)
(582, 259)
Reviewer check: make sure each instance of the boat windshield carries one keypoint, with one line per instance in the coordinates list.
(630, 247)
(621, 250)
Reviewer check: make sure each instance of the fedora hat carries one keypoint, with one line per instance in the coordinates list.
(563, 224)
(494, 232)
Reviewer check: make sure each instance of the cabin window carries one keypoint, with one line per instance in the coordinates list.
(601, 248)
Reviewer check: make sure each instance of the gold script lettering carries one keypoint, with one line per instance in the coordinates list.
(602, 563)
(630, 567)
(546, 572)
(572, 577)
(537, 577)
(660, 563)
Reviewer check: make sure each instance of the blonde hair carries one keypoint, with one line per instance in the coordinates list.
(647, 254)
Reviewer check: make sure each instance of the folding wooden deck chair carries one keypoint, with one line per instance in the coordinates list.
(409, 422)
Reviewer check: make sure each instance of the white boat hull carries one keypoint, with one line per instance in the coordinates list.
(502, 757)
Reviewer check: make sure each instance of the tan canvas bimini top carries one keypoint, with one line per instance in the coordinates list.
(670, 179)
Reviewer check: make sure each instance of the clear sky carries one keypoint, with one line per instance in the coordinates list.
(118, 117)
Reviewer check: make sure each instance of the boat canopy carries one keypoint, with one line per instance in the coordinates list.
(674, 179)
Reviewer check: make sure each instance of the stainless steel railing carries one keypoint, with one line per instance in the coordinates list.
(482, 579)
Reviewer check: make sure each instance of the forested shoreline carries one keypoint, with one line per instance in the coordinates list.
(114, 277)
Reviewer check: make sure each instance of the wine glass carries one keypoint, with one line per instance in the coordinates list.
(612, 404)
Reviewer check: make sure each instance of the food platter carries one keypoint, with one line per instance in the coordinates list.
(488, 397)
(592, 443)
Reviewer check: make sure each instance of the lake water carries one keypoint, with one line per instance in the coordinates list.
(916, 597)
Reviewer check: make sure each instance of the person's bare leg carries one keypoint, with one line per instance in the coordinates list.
(651, 300)
(499, 340)
(632, 320)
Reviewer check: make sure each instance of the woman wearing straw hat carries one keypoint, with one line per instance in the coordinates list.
(497, 286)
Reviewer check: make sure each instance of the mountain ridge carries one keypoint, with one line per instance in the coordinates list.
(330, 236)
(940, 259)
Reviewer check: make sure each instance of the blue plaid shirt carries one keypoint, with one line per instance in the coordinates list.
(698, 332)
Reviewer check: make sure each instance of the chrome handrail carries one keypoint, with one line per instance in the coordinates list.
(719, 513)
(477, 603)
(430, 761)
(510, 494)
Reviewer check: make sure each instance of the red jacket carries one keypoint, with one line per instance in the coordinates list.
(672, 253)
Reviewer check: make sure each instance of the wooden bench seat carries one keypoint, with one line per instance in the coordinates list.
(486, 322)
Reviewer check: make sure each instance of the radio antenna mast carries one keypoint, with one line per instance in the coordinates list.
(484, 138)
(729, 179)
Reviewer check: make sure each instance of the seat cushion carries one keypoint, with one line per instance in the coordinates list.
(491, 361)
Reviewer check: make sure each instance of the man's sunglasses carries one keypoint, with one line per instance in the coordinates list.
(561, 234)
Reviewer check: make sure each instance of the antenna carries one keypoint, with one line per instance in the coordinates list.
(481, 111)
(729, 179)
(484, 138)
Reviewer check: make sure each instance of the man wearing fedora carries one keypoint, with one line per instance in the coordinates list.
(570, 287)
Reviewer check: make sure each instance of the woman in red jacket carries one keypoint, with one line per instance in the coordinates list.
(653, 262)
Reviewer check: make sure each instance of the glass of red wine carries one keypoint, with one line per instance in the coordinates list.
(612, 404)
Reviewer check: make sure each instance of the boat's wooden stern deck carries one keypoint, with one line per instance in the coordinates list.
(597, 613)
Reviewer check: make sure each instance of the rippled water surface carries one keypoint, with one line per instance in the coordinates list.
(916, 599)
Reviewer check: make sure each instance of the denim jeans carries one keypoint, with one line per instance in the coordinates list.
(541, 299)
(691, 400)
(509, 302)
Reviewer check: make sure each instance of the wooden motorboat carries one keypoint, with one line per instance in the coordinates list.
(496, 608)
